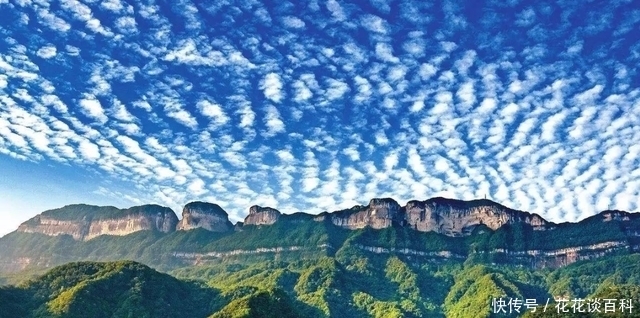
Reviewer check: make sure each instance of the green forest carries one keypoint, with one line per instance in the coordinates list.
(350, 284)
(298, 267)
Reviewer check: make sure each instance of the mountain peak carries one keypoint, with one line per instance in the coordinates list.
(209, 216)
(84, 222)
(457, 217)
(381, 201)
(261, 215)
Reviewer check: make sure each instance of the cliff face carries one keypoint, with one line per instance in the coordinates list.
(84, 222)
(560, 257)
(54, 227)
(444, 216)
(456, 218)
(204, 215)
(261, 216)
(560, 244)
(380, 213)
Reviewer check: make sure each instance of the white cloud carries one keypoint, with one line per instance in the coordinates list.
(336, 10)
(120, 112)
(415, 163)
(197, 187)
(213, 111)
(391, 160)
(336, 89)
(273, 121)
(272, 87)
(92, 108)
(89, 150)
(427, 70)
(384, 52)
(374, 23)
(302, 92)
(378, 105)
(293, 22)
(47, 52)
(352, 152)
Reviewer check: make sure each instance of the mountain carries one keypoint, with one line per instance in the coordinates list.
(439, 215)
(437, 230)
(262, 215)
(129, 289)
(84, 222)
(434, 258)
(348, 285)
(204, 215)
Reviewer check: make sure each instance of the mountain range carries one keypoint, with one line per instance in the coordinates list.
(434, 228)
(437, 257)
(439, 215)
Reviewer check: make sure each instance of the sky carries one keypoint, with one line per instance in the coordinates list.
(319, 105)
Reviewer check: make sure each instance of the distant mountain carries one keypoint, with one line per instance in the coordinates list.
(439, 215)
(438, 229)
(434, 258)
(204, 215)
(84, 222)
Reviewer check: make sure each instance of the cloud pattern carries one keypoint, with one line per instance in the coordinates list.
(321, 105)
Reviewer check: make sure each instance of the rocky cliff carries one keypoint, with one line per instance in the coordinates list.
(261, 216)
(204, 215)
(380, 213)
(84, 222)
(456, 218)
(440, 215)
(432, 229)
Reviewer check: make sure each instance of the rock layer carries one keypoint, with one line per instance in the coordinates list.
(440, 215)
(261, 216)
(456, 218)
(84, 222)
(380, 213)
(204, 215)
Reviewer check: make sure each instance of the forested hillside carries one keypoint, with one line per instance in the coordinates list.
(348, 285)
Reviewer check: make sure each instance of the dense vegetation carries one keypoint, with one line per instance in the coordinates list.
(311, 240)
(321, 270)
(354, 284)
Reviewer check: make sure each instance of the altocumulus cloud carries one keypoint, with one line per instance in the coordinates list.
(319, 106)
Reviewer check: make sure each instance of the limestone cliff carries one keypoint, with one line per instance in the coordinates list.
(456, 218)
(84, 222)
(440, 215)
(204, 215)
(560, 257)
(261, 216)
(380, 213)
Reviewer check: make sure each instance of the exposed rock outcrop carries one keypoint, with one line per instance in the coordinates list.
(440, 215)
(456, 218)
(560, 257)
(614, 215)
(380, 213)
(204, 215)
(261, 216)
(84, 222)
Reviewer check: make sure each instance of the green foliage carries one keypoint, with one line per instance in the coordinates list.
(117, 289)
(474, 289)
(376, 286)
(403, 237)
(376, 308)
(583, 278)
(332, 271)
(610, 291)
(271, 303)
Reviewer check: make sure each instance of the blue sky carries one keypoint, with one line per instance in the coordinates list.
(319, 105)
